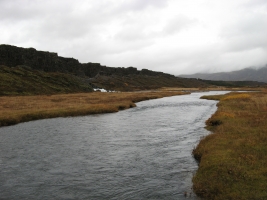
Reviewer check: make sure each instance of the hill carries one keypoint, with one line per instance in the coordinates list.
(23, 80)
(26, 71)
(12, 56)
(247, 74)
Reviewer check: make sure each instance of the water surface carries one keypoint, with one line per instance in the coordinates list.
(139, 153)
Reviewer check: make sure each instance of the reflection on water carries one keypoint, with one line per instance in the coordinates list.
(140, 153)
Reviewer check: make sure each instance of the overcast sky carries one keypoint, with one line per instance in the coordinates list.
(173, 36)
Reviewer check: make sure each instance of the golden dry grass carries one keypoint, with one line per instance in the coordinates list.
(25, 108)
(233, 160)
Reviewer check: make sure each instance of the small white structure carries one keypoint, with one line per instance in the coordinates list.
(102, 90)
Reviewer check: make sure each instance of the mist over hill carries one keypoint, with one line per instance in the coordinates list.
(247, 74)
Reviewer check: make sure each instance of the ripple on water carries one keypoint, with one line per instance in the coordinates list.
(140, 153)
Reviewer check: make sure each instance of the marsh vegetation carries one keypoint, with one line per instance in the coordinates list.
(16, 109)
(233, 159)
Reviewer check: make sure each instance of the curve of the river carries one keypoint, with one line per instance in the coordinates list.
(139, 153)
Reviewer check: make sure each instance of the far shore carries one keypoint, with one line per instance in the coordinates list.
(17, 109)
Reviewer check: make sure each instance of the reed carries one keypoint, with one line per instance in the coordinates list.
(233, 159)
(16, 109)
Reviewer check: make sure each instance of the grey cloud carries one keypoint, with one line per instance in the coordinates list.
(246, 25)
(255, 3)
(20, 10)
(140, 33)
(64, 27)
(134, 30)
(135, 5)
(246, 33)
(11, 10)
(178, 23)
(131, 34)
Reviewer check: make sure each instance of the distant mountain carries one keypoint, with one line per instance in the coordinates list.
(247, 74)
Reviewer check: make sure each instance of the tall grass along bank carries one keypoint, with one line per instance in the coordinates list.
(233, 159)
(16, 109)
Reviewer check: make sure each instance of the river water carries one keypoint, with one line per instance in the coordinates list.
(139, 153)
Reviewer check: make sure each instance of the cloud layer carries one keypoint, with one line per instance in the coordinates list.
(172, 36)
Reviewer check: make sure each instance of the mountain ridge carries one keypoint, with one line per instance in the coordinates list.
(27, 71)
(246, 74)
(25, 64)
(12, 56)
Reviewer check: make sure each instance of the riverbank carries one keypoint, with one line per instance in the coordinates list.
(233, 158)
(17, 109)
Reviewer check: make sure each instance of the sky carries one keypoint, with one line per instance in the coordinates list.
(172, 36)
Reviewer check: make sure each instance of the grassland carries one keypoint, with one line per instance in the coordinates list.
(16, 109)
(233, 159)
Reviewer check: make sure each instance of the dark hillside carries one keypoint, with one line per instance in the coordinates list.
(23, 80)
(143, 82)
(13, 56)
(96, 75)
(28, 71)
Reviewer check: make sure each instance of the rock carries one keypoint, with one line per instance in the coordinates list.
(13, 56)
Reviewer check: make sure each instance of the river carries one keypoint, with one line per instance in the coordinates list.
(139, 153)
